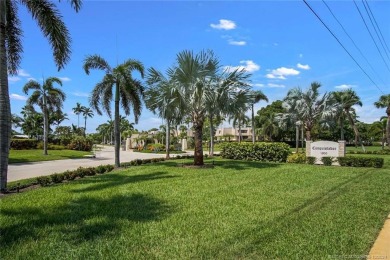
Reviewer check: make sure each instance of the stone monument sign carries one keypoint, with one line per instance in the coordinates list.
(325, 149)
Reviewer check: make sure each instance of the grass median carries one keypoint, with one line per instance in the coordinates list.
(25, 156)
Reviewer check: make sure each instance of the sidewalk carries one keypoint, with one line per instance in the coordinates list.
(21, 171)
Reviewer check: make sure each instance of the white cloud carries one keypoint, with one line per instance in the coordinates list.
(344, 86)
(304, 67)
(64, 78)
(14, 79)
(224, 25)
(259, 85)
(249, 66)
(80, 94)
(23, 73)
(17, 97)
(281, 73)
(237, 43)
(272, 85)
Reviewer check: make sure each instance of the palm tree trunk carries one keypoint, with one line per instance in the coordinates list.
(253, 125)
(239, 131)
(198, 132)
(5, 108)
(45, 125)
(167, 141)
(296, 138)
(342, 129)
(116, 126)
(211, 152)
(355, 130)
(85, 126)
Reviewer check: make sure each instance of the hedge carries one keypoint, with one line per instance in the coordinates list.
(360, 161)
(272, 152)
(23, 144)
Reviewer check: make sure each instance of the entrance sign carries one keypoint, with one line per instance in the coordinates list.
(325, 149)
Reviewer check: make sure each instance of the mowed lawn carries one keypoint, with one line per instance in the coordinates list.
(23, 156)
(237, 210)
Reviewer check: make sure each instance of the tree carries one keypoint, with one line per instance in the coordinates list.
(239, 120)
(50, 23)
(345, 100)
(256, 97)
(58, 117)
(78, 109)
(270, 126)
(384, 102)
(164, 99)
(87, 112)
(48, 98)
(128, 91)
(307, 106)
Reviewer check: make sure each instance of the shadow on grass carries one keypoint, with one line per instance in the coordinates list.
(117, 179)
(292, 223)
(82, 219)
(244, 165)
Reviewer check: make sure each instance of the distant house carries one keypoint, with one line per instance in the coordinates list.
(232, 134)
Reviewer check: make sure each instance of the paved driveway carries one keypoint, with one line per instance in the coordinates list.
(21, 171)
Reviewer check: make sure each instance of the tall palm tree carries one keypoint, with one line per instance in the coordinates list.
(78, 109)
(346, 99)
(269, 126)
(384, 102)
(128, 91)
(308, 106)
(87, 112)
(11, 48)
(164, 99)
(239, 120)
(256, 96)
(48, 98)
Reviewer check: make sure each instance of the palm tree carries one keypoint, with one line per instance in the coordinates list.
(239, 120)
(384, 102)
(256, 96)
(164, 99)
(50, 23)
(78, 109)
(87, 112)
(270, 126)
(48, 98)
(128, 91)
(308, 106)
(346, 99)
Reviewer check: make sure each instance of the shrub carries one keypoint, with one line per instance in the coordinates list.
(23, 144)
(81, 143)
(100, 169)
(44, 180)
(360, 161)
(57, 177)
(51, 146)
(109, 167)
(156, 147)
(146, 161)
(273, 152)
(296, 158)
(138, 162)
(311, 160)
(327, 161)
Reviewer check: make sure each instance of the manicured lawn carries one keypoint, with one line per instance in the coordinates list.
(21, 156)
(238, 210)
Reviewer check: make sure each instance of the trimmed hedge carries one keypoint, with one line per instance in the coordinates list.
(271, 152)
(385, 151)
(361, 161)
(296, 158)
(23, 144)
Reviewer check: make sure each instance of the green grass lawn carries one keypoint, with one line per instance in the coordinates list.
(237, 210)
(22, 156)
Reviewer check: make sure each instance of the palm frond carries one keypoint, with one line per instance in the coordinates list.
(31, 84)
(49, 20)
(13, 37)
(76, 4)
(96, 62)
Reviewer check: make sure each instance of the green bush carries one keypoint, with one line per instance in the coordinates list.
(57, 177)
(273, 152)
(51, 146)
(23, 144)
(44, 180)
(81, 143)
(311, 160)
(100, 169)
(327, 161)
(360, 161)
(296, 158)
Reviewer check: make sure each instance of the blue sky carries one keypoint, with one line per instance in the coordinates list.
(281, 43)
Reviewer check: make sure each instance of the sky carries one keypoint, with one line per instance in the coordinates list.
(282, 44)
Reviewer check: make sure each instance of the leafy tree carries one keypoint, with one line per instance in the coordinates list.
(384, 102)
(256, 96)
(11, 48)
(48, 98)
(57, 117)
(128, 91)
